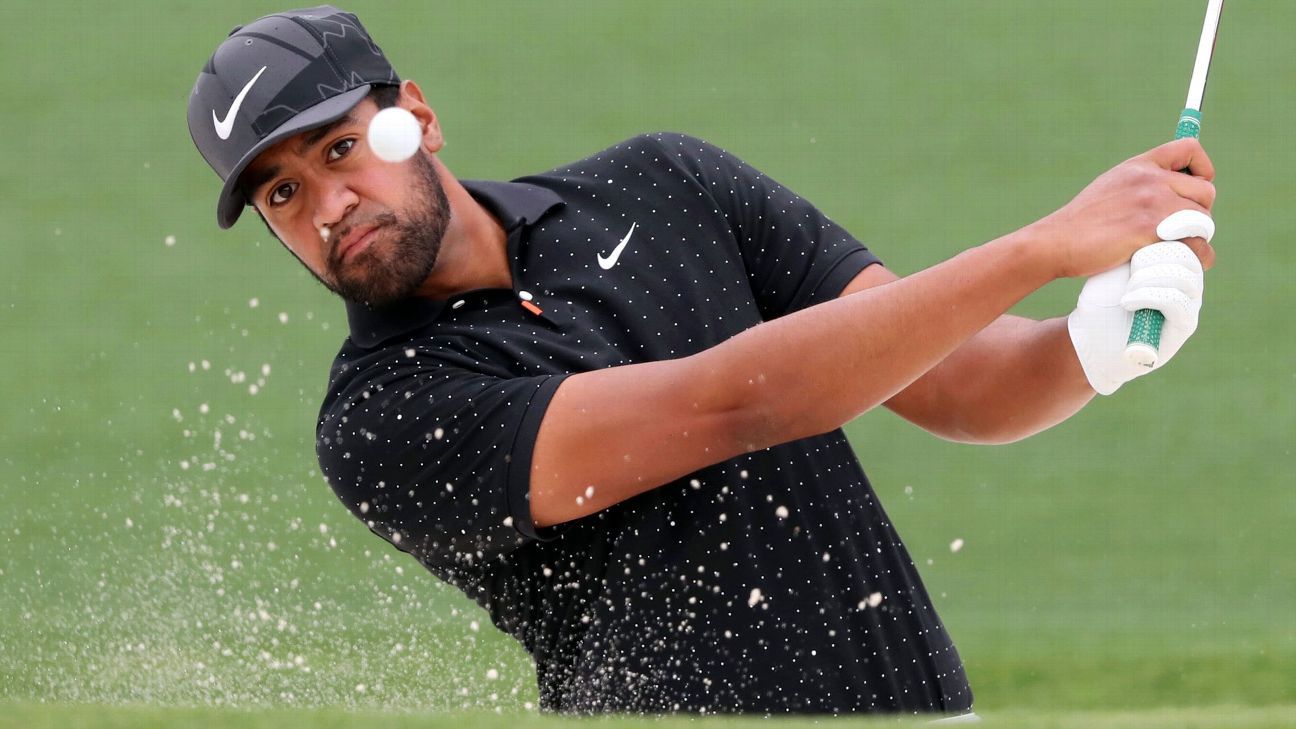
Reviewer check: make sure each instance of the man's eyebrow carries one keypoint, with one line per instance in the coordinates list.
(313, 137)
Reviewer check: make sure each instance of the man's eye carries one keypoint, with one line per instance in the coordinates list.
(340, 150)
(280, 194)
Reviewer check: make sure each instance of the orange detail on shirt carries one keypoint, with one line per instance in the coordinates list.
(531, 308)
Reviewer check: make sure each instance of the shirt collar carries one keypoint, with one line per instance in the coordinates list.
(514, 204)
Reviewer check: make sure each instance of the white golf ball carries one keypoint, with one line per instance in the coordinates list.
(394, 134)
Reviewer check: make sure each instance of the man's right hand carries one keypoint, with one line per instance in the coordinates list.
(1117, 214)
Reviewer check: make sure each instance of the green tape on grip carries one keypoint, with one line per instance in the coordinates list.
(1146, 328)
(1148, 322)
(1189, 124)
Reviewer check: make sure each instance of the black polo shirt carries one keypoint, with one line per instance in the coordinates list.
(772, 582)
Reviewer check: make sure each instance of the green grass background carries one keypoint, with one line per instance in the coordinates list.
(1137, 557)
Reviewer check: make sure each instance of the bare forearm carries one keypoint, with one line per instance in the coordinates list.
(816, 369)
(1012, 380)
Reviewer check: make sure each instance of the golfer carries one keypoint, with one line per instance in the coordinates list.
(606, 400)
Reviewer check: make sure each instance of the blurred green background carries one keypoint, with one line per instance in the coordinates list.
(166, 538)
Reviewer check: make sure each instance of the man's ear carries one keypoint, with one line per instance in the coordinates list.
(411, 98)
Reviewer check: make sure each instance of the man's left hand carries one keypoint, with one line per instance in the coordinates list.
(1165, 276)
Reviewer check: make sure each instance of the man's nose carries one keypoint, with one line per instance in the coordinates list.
(335, 200)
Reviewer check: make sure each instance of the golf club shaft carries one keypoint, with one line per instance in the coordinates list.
(1145, 332)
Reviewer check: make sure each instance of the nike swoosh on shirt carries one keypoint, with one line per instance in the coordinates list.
(226, 125)
(607, 263)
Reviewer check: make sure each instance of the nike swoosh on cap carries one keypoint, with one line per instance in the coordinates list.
(226, 125)
(607, 263)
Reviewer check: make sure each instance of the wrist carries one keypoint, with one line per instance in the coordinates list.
(1031, 254)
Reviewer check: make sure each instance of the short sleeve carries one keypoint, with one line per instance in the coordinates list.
(795, 255)
(432, 457)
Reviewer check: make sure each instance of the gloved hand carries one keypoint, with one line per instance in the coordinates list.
(1165, 276)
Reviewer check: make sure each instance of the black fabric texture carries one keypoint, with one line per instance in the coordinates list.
(769, 583)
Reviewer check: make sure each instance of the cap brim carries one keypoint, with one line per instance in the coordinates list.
(231, 203)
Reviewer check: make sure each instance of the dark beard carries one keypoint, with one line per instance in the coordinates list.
(396, 264)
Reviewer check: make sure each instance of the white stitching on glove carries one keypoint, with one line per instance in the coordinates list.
(1165, 276)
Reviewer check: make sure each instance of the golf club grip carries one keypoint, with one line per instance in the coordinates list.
(1145, 331)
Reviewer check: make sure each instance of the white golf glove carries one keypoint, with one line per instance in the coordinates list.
(1165, 276)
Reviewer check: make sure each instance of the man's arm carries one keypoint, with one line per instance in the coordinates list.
(1011, 380)
(611, 434)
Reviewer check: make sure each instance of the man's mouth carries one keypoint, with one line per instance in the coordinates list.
(356, 240)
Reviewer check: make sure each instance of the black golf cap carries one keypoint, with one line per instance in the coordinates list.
(275, 77)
